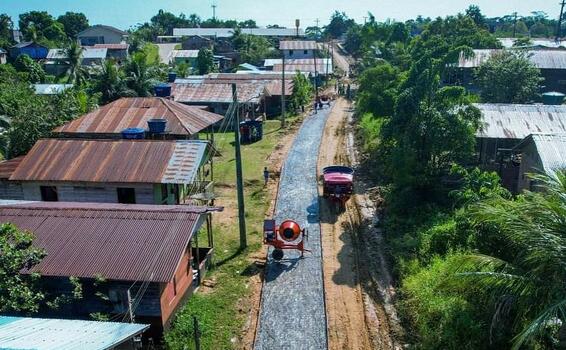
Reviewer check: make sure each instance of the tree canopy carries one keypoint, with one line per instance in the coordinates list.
(508, 77)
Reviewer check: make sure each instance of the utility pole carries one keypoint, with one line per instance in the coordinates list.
(196, 332)
(514, 24)
(130, 309)
(315, 75)
(559, 25)
(365, 20)
(214, 11)
(283, 93)
(318, 31)
(239, 180)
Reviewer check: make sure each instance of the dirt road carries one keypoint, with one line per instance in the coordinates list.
(359, 310)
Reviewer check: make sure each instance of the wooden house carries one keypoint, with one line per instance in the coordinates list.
(183, 122)
(101, 34)
(115, 171)
(149, 255)
(293, 49)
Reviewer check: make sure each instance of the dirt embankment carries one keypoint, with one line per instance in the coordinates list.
(358, 290)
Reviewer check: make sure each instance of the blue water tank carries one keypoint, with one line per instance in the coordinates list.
(162, 90)
(133, 133)
(171, 77)
(157, 125)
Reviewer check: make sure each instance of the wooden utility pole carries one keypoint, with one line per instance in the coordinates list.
(315, 75)
(196, 332)
(559, 24)
(283, 93)
(130, 308)
(239, 179)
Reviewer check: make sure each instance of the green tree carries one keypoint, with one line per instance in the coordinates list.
(377, 90)
(34, 23)
(17, 290)
(110, 83)
(527, 286)
(475, 14)
(182, 69)
(508, 77)
(77, 74)
(302, 91)
(26, 64)
(205, 63)
(73, 22)
(6, 26)
(339, 25)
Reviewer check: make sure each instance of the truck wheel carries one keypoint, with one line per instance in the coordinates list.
(277, 254)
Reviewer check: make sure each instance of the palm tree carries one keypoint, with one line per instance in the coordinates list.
(138, 75)
(77, 74)
(110, 83)
(528, 289)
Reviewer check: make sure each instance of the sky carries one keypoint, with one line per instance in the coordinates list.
(126, 13)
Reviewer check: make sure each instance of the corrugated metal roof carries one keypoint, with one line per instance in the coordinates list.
(273, 88)
(94, 53)
(112, 161)
(134, 112)
(183, 54)
(297, 45)
(56, 54)
(216, 93)
(7, 167)
(551, 149)
(50, 89)
(112, 46)
(228, 32)
(542, 59)
(58, 334)
(322, 67)
(273, 61)
(114, 29)
(516, 121)
(121, 242)
(543, 42)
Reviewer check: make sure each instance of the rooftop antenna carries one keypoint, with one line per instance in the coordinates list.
(214, 10)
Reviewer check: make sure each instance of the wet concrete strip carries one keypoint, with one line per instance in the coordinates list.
(292, 312)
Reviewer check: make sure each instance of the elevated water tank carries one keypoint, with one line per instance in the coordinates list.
(133, 133)
(157, 125)
(162, 90)
(552, 98)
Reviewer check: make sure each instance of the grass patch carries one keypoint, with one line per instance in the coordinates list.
(217, 309)
(152, 53)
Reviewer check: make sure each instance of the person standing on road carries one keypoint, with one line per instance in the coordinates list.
(265, 175)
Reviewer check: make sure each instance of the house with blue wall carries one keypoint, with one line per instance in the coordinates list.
(30, 48)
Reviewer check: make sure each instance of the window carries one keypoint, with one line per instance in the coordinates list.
(290, 52)
(49, 193)
(126, 195)
(164, 194)
(305, 52)
(174, 285)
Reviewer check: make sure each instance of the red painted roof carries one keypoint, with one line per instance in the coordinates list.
(117, 241)
(135, 112)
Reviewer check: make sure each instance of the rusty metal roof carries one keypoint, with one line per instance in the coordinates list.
(125, 242)
(112, 46)
(297, 45)
(517, 121)
(7, 167)
(182, 120)
(273, 88)
(216, 93)
(542, 59)
(112, 161)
